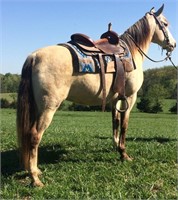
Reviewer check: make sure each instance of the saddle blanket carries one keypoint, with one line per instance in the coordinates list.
(90, 64)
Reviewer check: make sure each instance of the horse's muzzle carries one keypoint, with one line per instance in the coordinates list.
(170, 47)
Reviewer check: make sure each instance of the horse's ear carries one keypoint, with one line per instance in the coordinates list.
(152, 10)
(159, 11)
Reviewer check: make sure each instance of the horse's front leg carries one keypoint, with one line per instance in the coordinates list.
(124, 126)
(122, 137)
(120, 122)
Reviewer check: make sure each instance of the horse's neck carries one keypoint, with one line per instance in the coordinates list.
(146, 47)
(136, 53)
(152, 27)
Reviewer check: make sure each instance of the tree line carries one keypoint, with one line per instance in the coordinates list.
(159, 84)
(9, 83)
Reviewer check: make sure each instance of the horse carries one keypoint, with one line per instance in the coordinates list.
(47, 79)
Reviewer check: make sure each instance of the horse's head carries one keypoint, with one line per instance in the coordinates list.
(162, 35)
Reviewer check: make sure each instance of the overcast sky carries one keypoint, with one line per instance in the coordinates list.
(27, 25)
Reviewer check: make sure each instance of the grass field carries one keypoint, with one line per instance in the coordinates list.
(78, 161)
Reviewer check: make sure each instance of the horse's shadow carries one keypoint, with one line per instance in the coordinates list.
(151, 139)
(10, 162)
(52, 154)
(142, 139)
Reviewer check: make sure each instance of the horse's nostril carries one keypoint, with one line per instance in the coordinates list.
(173, 45)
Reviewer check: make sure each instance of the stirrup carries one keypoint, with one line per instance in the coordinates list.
(122, 104)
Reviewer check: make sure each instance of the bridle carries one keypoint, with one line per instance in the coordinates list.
(166, 36)
(162, 27)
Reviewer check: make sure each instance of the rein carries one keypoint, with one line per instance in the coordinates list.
(168, 55)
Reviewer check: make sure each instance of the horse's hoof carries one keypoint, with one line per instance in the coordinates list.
(129, 158)
(39, 172)
(37, 184)
(126, 158)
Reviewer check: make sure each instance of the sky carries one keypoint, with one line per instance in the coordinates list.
(27, 25)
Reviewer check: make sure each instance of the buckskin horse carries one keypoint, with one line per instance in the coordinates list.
(48, 78)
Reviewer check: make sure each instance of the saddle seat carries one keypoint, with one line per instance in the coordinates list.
(108, 43)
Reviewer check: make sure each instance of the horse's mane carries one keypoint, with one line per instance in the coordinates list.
(140, 32)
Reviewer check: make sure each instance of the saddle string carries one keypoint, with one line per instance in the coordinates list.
(168, 55)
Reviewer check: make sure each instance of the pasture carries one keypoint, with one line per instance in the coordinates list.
(78, 160)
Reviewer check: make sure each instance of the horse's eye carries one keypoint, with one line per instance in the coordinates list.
(165, 24)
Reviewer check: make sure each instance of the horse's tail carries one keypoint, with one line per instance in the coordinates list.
(25, 111)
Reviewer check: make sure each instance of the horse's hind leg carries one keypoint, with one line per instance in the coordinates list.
(115, 126)
(37, 131)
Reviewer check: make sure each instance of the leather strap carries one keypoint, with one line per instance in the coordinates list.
(103, 81)
(119, 82)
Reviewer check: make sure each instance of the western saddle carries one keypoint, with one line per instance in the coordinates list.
(111, 45)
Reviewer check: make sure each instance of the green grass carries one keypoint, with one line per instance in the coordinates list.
(78, 161)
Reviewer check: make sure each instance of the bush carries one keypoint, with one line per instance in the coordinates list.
(157, 108)
(173, 109)
(13, 105)
(5, 103)
(149, 105)
(78, 107)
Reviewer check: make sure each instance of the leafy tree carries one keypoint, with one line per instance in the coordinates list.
(9, 83)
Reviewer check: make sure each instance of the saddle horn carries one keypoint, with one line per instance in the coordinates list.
(160, 10)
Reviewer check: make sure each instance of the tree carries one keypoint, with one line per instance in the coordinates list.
(9, 83)
(152, 101)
